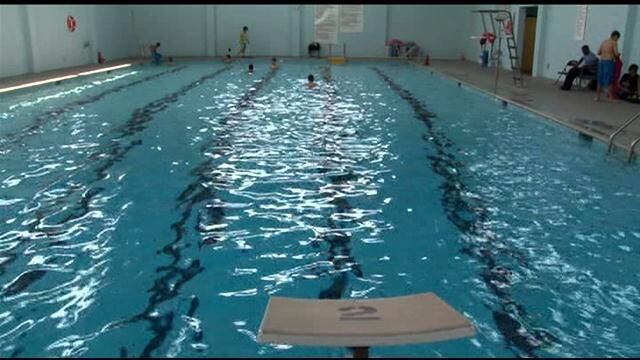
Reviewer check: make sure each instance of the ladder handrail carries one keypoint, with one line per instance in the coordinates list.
(620, 129)
(632, 148)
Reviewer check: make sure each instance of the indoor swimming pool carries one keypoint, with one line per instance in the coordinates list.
(152, 211)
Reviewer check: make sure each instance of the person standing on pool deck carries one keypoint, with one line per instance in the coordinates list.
(155, 55)
(607, 65)
(244, 40)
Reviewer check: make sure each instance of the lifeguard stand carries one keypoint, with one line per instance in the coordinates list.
(338, 60)
(360, 324)
(501, 22)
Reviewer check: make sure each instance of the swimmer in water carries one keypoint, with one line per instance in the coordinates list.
(227, 58)
(311, 83)
(274, 64)
(251, 69)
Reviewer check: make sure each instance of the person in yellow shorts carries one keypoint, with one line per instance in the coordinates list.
(244, 40)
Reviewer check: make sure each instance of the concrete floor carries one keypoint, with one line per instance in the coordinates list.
(575, 109)
(44, 75)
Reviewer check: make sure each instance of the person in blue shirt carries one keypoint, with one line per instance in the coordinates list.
(588, 65)
(156, 57)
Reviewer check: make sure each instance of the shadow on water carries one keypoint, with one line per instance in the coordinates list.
(339, 241)
(470, 217)
(198, 191)
(104, 161)
(41, 120)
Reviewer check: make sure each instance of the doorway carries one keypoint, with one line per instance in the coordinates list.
(528, 17)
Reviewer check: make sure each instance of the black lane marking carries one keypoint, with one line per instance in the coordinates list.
(116, 153)
(23, 281)
(50, 115)
(338, 240)
(469, 218)
(194, 194)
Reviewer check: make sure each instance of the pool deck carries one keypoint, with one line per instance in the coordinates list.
(575, 109)
(45, 75)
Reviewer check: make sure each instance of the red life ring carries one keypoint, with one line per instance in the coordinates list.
(508, 27)
(71, 23)
(487, 36)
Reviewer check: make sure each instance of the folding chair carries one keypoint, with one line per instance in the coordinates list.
(565, 71)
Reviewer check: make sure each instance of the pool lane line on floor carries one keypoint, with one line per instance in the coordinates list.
(117, 153)
(338, 240)
(42, 119)
(511, 318)
(163, 289)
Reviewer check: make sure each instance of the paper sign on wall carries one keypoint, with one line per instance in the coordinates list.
(326, 24)
(351, 18)
(581, 22)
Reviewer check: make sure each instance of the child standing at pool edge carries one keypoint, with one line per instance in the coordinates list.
(244, 40)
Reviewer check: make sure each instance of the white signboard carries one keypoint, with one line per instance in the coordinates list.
(326, 23)
(351, 18)
(581, 22)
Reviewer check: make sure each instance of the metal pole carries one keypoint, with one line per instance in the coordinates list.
(499, 55)
(344, 49)
(329, 50)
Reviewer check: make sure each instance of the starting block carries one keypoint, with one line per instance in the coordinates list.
(360, 324)
(337, 60)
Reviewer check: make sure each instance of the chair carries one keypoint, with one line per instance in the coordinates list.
(580, 79)
(585, 77)
(565, 70)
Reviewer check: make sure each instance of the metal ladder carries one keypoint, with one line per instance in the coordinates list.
(619, 130)
(512, 47)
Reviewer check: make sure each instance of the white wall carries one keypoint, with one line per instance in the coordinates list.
(439, 30)
(15, 56)
(286, 30)
(270, 28)
(35, 37)
(180, 29)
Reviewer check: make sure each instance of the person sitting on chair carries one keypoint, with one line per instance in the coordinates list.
(629, 85)
(588, 65)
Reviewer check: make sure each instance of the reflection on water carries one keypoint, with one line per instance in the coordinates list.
(160, 224)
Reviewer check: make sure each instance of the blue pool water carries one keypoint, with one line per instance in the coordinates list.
(152, 211)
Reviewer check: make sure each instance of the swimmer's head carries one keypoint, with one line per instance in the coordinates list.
(633, 69)
(228, 56)
(170, 58)
(310, 78)
(245, 29)
(157, 44)
(615, 35)
(273, 60)
(251, 68)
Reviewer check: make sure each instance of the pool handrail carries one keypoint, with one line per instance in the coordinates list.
(620, 129)
(632, 148)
